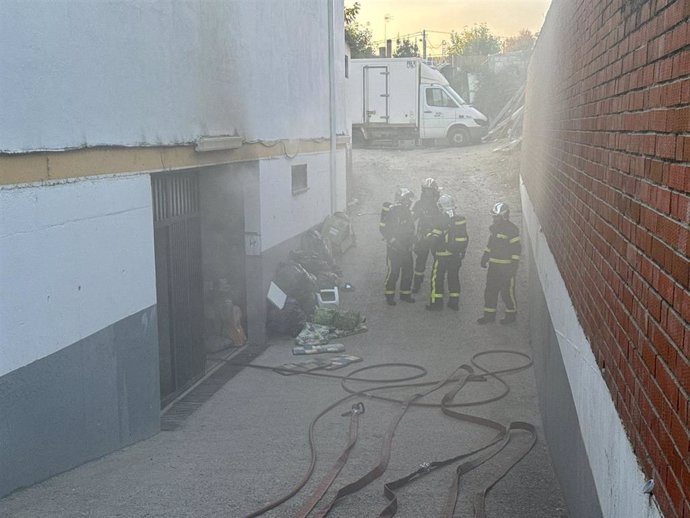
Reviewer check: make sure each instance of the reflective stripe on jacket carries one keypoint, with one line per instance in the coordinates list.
(449, 236)
(504, 245)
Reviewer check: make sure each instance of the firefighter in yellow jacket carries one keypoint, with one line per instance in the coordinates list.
(448, 241)
(425, 213)
(502, 255)
(397, 227)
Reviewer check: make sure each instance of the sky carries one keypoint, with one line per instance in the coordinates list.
(504, 17)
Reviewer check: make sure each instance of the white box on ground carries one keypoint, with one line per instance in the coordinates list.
(276, 296)
(328, 297)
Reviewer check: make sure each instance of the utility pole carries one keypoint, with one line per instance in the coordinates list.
(424, 44)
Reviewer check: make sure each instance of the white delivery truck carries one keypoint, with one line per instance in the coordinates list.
(405, 99)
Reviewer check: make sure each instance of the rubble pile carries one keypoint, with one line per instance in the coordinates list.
(508, 123)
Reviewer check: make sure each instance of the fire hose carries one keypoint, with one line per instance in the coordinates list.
(458, 379)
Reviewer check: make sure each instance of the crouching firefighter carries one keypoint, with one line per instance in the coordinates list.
(448, 241)
(425, 212)
(502, 255)
(397, 228)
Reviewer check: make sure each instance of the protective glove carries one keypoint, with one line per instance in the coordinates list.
(485, 259)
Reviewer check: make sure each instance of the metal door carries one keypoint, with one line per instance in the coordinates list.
(177, 236)
(376, 94)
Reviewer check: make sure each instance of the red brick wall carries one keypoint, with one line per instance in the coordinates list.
(606, 164)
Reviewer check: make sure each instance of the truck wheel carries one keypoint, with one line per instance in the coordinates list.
(459, 137)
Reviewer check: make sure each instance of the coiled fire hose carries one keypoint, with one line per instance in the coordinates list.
(470, 460)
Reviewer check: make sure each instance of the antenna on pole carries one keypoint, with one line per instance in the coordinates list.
(387, 18)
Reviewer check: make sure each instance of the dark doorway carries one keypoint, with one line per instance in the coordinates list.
(179, 286)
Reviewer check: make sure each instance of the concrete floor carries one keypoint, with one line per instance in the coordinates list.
(248, 444)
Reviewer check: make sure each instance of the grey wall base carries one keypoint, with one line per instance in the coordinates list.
(561, 424)
(80, 403)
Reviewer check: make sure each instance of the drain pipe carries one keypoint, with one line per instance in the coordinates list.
(331, 100)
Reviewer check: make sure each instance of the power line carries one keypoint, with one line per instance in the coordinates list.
(412, 34)
(422, 39)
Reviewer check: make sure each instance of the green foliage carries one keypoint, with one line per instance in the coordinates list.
(351, 13)
(495, 89)
(406, 49)
(360, 41)
(524, 40)
(474, 41)
(358, 38)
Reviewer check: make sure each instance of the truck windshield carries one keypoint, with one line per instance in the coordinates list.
(455, 96)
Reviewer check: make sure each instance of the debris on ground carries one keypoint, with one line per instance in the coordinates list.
(329, 364)
(508, 122)
(511, 146)
(309, 278)
(337, 231)
(317, 334)
(297, 283)
(318, 349)
(338, 319)
(288, 321)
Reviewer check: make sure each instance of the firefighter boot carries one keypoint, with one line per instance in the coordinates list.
(488, 318)
(435, 306)
(407, 297)
(390, 300)
(509, 318)
(453, 304)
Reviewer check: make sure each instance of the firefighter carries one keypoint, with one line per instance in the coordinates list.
(502, 255)
(448, 241)
(425, 212)
(397, 228)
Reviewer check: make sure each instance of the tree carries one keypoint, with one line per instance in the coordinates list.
(406, 49)
(524, 40)
(495, 89)
(474, 41)
(358, 38)
(351, 13)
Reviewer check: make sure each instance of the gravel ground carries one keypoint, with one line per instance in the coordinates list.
(248, 444)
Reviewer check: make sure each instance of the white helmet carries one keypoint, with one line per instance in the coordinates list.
(446, 204)
(430, 183)
(501, 210)
(404, 196)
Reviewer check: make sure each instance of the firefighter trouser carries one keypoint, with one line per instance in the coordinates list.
(445, 267)
(400, 264)
(500, 278)
(422, 253)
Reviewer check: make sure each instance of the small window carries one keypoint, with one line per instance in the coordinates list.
(347, 67)
(299, 179)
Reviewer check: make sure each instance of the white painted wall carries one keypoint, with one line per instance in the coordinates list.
(81, 73)
(617, 475)
(74, 258)
(341, 181)
(284, 215)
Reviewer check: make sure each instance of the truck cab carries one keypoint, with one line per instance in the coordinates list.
(444, 114)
